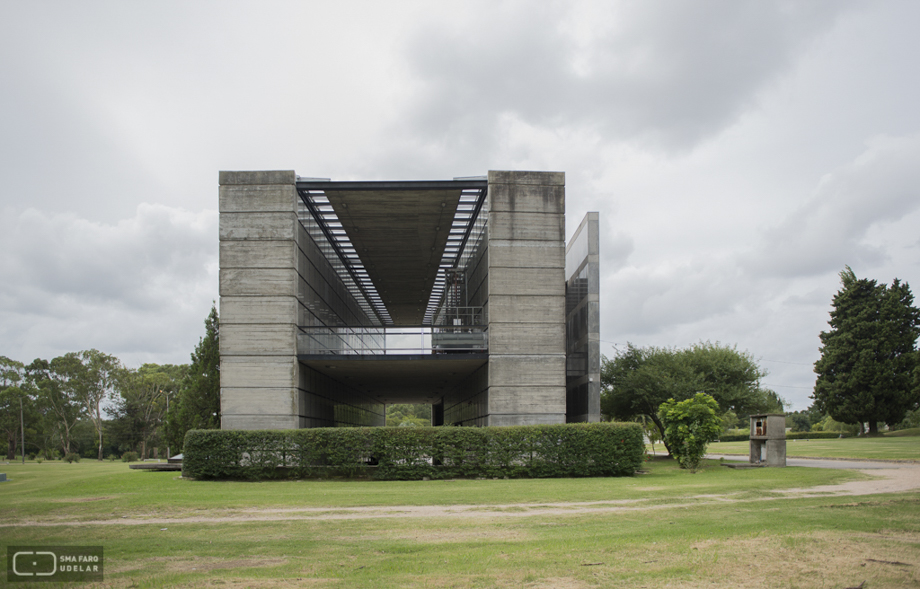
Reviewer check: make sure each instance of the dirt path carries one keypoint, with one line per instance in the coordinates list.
(895, 480)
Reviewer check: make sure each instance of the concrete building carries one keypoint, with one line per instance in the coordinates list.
(337, 298)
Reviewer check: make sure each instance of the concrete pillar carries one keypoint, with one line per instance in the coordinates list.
(259, 282)
(526, 303)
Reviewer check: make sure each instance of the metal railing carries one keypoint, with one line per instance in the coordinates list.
(438, 339)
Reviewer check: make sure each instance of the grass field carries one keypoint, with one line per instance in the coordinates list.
(717, 528)
(880, 448)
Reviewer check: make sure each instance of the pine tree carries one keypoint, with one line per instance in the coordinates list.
(198, 403)
(869, 357)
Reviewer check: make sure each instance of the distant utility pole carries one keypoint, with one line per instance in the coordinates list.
(22, 428)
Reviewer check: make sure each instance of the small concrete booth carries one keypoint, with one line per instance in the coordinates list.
(768, 439)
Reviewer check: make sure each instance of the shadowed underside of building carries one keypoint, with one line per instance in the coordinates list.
(337, 298)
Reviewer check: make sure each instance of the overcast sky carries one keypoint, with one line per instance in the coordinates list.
(740, 152)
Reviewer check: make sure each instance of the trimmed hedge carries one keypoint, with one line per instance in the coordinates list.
(543, 451)
(789, 436)
(816, 435)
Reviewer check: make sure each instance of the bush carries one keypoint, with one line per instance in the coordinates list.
(129, 457)
(740, 434)
(39, 459)
(408, 453)
(72, 457)
(30, 456)
(689, 427)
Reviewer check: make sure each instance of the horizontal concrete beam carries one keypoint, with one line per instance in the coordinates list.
(526, 400)
(525, 371)
(249, 309)
(526, 226)
(270, 226)
(257, 254)
(258, 199)
(259, 401)
(526, 281)
(259, 372)
(526, 419)
(257, 340)
(249, 422)
(257, 282)
(526, 254)
(526, 177)
(525, 338)
(258, 177)
(526, 309)
(527, 199)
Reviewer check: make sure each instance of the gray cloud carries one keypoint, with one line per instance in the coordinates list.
(668, 74)
(136, 286)
(831, 229)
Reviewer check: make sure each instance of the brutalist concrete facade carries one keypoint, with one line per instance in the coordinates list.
(318, 279)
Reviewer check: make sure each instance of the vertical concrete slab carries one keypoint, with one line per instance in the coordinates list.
(582, 322)
(526, 270)
(259, 283)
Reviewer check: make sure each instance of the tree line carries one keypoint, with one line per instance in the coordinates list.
(868, 373)
(90, 404)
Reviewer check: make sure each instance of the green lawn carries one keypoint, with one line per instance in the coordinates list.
(884, 448)
(105, 489)
(717, 528)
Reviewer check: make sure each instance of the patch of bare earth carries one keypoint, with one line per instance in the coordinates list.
(894, 480)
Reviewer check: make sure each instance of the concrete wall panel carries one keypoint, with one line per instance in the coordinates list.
(257, 254)
(257, 309)
(288, 177)
(527, 400)
(523, 371)
(250, 422)
(249, 372)
(527, 199)
(526, 178)
(526, 338)
(259, 401)
(526, 309)
(497, 420)
(271, 226)
(526, 281)
(255, 282)
(257, 340)
(258, 199)
(527, 254)
(526, 226)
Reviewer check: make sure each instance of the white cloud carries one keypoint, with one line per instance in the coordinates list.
(134, 287)
(831, 229)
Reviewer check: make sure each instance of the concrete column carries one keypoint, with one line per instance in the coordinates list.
(526, 298)
(259, 281)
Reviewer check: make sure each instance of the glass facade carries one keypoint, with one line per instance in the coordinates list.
(582, 323)
(331, 300)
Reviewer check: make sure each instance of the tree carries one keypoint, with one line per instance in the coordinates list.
(140, 403)
(11, 403)
(198, 402)
(638, 380)
(99, 374)
(689, 427)
(869, 361)
(408, 415)
(56, 386)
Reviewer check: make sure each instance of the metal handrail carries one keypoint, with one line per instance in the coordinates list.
(373, 340)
